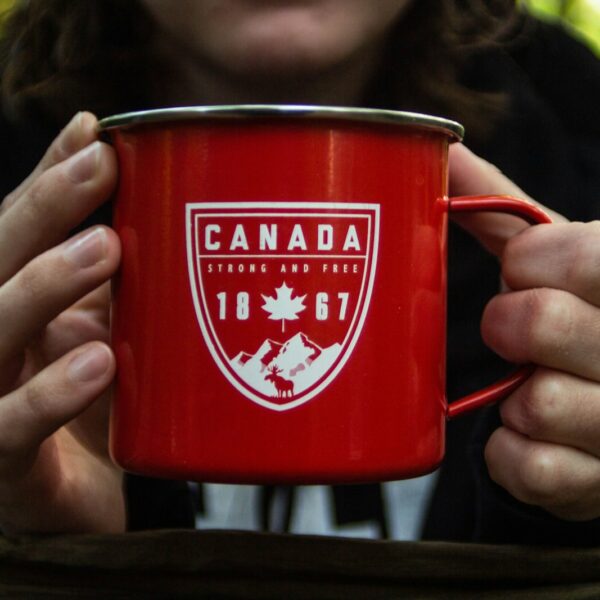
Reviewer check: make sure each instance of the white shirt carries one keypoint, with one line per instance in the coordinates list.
(236, 507)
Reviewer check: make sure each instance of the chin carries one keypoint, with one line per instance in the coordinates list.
(288, 62)
(279, 47)
(281, 42)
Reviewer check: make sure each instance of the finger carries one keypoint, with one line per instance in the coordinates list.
(556, 407)
(548, 327)
(50, 400)
(563, 480)
(12, 370)
(86, 320)
(471, 175)
(77, 134)
(56, 201)
(96, 304)
(51, 283)
(564, 256)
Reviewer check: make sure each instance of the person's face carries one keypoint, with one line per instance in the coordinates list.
(246, 38)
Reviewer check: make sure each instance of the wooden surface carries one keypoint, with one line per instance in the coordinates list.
(230, 564)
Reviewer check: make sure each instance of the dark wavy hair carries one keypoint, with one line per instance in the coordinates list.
(61, 56)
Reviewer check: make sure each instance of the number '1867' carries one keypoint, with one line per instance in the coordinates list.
(323, 306)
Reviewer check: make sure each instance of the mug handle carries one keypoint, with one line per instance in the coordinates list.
(534, 215)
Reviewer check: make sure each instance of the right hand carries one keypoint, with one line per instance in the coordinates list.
(55, 365)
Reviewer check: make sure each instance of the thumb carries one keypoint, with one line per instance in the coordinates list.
(471, 175)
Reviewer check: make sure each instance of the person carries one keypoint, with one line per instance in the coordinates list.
(533, 471)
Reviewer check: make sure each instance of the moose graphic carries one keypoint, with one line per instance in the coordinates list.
(284, 387)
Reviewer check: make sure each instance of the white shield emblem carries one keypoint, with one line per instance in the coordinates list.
(281, 291)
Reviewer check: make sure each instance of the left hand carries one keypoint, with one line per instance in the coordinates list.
(547, 452)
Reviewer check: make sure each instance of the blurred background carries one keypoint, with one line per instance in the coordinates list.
(582, 17)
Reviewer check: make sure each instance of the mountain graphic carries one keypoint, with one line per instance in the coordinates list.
(258, 361)
(295, 365)
(242, 358)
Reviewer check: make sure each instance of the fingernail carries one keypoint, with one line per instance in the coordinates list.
(89, 364)
(83, 165)
(87, 249)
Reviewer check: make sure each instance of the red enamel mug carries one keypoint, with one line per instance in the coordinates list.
(280, 312)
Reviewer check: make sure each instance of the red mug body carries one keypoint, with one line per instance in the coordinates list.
(280, 312)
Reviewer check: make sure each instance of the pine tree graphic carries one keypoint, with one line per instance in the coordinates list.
(283, 306)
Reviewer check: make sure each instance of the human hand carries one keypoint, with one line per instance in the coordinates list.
(547, 453)
(55, 472)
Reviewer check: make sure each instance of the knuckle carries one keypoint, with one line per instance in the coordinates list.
(38, 206)
(35, 208)
(32, 282)
(32, 408)
(542, 403)
(514, 250)
(36, 401)
(539, 477)
(37, 194)
(32, 208)
(492, 450)
(44, 281)
(549, 324)
(584, 261)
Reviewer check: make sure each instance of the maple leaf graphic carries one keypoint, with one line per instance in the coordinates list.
(283, 306)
